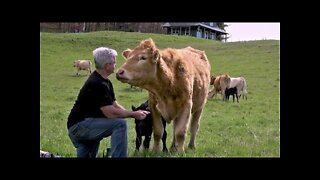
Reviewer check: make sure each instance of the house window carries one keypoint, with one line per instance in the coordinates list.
(187, 33)
(213, 35)
(175, 31)
(206, 34)
(199, 34)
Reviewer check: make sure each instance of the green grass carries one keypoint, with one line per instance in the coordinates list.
(247, 129)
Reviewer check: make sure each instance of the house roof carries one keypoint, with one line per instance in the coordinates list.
(187, 24)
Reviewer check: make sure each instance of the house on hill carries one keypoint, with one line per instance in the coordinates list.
(198, 29)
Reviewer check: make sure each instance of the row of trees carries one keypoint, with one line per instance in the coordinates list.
(102, 26)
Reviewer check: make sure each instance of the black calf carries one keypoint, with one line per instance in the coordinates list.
(144, 128)
(232, 91)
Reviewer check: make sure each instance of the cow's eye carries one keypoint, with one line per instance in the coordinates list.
(143, 58)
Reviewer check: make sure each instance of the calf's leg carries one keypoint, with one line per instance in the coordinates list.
(146, 142)
(138, 142)
(164, 137)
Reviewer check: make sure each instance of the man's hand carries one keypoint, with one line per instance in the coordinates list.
(140, 114)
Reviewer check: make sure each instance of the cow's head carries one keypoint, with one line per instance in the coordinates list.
(76, 63)
(140, 65)
(212, 78)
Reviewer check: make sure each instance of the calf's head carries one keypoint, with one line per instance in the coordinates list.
(143, 127)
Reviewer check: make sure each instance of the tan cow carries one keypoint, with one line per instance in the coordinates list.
(83, 65)
(178, 85)
(220, 84)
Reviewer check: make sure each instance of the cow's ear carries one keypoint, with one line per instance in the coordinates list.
(156, 56)
(126, 52)
(148, 43)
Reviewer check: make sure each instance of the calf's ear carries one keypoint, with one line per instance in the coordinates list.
(133, 108)
(126, 52)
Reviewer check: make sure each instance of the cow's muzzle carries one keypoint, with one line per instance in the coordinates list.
(120, 76)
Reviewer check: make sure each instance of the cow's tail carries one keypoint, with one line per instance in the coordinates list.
(227, 80)
(202, 54)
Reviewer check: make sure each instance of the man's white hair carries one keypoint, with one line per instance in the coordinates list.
(103, 55)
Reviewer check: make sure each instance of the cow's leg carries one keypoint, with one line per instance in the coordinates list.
(157, 127)
(156, 123)
(172, 147)
(238, 91)
(224, 97)
(194, 126)
(180, 131)
(157, 132)
(223, 92)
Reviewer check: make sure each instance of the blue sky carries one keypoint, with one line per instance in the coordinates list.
(252, 31)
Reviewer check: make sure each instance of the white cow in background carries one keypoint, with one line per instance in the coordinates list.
(241, 84)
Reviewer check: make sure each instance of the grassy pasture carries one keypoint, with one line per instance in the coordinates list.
(247, 129)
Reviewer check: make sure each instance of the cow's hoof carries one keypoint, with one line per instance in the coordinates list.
(173, 149)
(192, 148)
(136, 152)
(165, 150)
(156, 150)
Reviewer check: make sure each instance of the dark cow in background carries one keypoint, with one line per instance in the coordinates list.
(144, 128)
(232, 91)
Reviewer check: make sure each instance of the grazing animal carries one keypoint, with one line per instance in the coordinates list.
(241, 84)
(144, 128)
(232, 91)
(220, 83)
(83, 65)
(178, 83)
(212, 78)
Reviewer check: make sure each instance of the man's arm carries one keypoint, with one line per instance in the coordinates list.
(117, 105)
(117, 111)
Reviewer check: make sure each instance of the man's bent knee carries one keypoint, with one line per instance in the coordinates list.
(122, 124)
